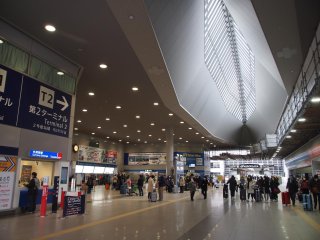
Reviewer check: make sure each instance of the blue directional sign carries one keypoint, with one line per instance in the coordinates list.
(44, 154)
(44, 109)
(10, 86)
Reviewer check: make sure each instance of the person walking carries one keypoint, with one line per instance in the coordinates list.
(150, 186)
(232, 185)
(192, 187)
(250, 188)
(161, 186)
(266, 188)
(292, 186)
(204, 187)
(315, 189)
(33, 187)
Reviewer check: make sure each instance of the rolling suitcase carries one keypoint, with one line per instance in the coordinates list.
(225, 191)
(307, 202)
(243, 194)
(285, 198)
(154, 196)
(257, 195)
(123, 189)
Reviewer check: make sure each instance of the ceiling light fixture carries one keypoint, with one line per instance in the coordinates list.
(128, 136)
(79, 121)
(135, 88)
(180, 138)
(165, 141)
(293, 130)
(76, 129)
(50, 28)
(107, 119)
(118, 107)
(93, 133)
(187, 141)
(114, 132)
(202, 137)
(125, 125)
(138, 131)
(103, 66)
(182, 122)
(190, 128)
(301, 120)
(1, 41)
(156, 104)
(159, 139)
(128, 142)
(98, 127)
(197, 133)
(315, 99)
(108, 137)
(91, 93)
(84, 110)
(150, 135)
(60, 73)
(152, 124)
(170, 114)
(120, 140)
(163, 129)
(139, 140)
(288, 136)
(137, 116)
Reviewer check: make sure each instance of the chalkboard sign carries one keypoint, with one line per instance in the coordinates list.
(73, 205)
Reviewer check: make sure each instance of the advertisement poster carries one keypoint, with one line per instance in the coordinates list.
(26, 173)
(6, 189)
(110, 157)
(147, 159)
(91, 154)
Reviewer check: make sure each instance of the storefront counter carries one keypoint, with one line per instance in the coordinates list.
(23, 201)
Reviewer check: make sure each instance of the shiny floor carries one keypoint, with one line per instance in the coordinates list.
(112, 216)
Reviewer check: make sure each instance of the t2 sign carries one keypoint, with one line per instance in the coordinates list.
(44, 108)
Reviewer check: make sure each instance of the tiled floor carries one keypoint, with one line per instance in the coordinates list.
(111, 216)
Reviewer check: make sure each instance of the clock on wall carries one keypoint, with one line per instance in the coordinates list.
(75, 148)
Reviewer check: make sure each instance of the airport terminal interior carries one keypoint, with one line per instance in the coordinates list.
(160, 119)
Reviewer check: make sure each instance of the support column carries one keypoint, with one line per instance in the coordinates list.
(170, 170)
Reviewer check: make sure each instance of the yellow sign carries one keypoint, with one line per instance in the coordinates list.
(8, 164)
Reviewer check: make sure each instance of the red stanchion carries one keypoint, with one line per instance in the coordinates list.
(63, 193)
(44, 197)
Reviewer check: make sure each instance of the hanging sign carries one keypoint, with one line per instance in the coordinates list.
(44, 154)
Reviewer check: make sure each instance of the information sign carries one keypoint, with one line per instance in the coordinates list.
(10, 87)
(73, 205)
(44, 154)
(44, 108)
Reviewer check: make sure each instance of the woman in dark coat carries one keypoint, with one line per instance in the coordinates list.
(233, 185)
(204, 187)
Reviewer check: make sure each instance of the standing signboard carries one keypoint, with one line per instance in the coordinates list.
(73, 205)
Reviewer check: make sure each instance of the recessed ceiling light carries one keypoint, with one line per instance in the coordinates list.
(189, 128)
(288, 136)
(152, 124)
(120, 140)
(103, 66)
(150, 135)
(187, 141)
(108, 137)
(91, 93)
(98, 127)
(163, 129)
(138, 116)
(315, 99)
(293, 130)
(76, 134)
(105, 141)
(118, 107)
(128, 142)
(301, 120)
(107, 119)
(131, 17)
(93, 133)
(125, 125)
(114, 132)
(182, 122)
(170, 114)
(128, 136)
(76, 129)
(145, 142)
(139, 140)
(50, 28)
(159, 139)
(180, 138)
(60, 73)
(202, 137)
(1, 41)
(197, 133)
(135, 88)
(155, 104)
(211, 143)
(79, 121)
(84, 110)
(207, 140)
(165, 141)
(138, 131)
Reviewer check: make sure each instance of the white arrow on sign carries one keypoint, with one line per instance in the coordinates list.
(64, 103)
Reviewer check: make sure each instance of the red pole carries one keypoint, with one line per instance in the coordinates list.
(43, 207)
(62, 198)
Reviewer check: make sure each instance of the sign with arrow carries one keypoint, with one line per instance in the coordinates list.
(8, 164)
(44, 108)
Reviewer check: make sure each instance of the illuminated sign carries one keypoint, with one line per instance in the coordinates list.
(249, 166)
(43, 154)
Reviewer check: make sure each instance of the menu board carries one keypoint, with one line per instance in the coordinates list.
(73, 205)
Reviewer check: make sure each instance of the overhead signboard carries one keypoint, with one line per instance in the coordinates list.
(249, 166)
(10, 87)
(44, 154)
(44, 108)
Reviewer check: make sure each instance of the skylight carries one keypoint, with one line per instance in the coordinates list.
(229, 60)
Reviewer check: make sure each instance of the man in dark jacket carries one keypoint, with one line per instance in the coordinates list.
(204, 187)
(292, 187)
(140, 184)
(233, 185)
(33, 186)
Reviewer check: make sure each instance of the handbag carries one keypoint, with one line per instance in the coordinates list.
(276, 190)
